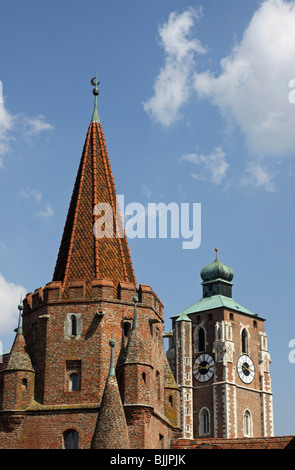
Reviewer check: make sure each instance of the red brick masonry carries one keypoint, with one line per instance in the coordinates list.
(281, 442)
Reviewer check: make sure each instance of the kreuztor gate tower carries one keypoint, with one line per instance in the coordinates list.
(57, 389)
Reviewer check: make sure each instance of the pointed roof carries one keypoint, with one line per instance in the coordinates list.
(19, 358)
(84, 255)
(111, 430)
(136, 350)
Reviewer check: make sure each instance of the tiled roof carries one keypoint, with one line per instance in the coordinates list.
(82, 256)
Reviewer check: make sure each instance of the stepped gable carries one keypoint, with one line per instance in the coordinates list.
(82, 255)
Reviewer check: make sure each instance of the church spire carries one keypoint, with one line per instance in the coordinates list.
(89, 248)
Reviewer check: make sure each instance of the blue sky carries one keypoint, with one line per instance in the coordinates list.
(194, 103)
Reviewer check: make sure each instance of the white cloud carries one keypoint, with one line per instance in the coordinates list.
(17, 125)
(33, 126)
(146, 191)
(30, 193)
(10, 295)
(213, 166)
(172, 86)
(252, 88)
(6, 124)
(258, 177)
(45, 213)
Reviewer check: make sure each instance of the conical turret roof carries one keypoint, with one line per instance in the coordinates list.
(19, 359)
(85, 253)
(111, 430)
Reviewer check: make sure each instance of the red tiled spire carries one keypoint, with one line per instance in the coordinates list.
(83, 256)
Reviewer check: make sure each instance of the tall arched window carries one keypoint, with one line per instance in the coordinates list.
(247, 424)
(201, 339)
(204, 426)
(245, 341)
(71, 439)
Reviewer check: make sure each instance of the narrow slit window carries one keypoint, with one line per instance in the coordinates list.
(73, 325)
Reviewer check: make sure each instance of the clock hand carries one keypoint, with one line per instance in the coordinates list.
(202, 367)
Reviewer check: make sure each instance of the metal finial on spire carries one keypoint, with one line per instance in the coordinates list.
(216, 250)
(95, 116)
(19, 330)
(112, 370)
(135, 300)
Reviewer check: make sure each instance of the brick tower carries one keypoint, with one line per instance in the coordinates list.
(218, 353)
(63, 345)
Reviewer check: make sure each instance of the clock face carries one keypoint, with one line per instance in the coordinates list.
(246, 369)
(203, 368)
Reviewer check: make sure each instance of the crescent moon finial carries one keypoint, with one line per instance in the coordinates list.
(94, 83)
(95, 91)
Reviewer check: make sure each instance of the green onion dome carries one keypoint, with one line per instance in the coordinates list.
(217, 270)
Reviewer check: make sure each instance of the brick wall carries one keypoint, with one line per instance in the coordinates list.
(55, 354)
(280, 442)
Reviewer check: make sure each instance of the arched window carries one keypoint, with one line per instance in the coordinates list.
(74, 384)
(71, 439)
(245, 341)
(201, 339)
(73, 325)
(24, 384)
(247, 424)
(127, 329)
(204, 425)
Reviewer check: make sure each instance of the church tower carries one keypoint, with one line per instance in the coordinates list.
(226, 347)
